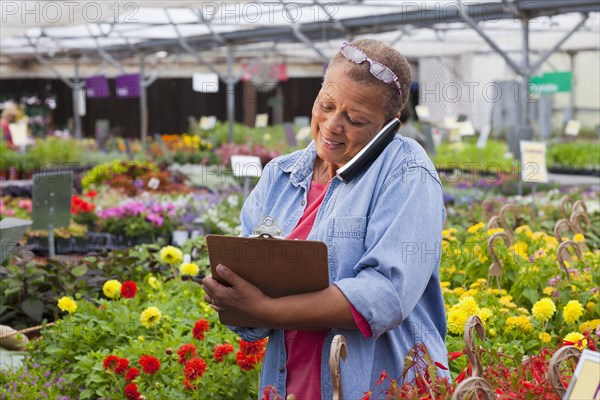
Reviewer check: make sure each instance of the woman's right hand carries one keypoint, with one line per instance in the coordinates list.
(242, 298)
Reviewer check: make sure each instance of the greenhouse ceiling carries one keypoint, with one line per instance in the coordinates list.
(296, 32)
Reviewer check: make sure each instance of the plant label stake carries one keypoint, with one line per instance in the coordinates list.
(560, 254)
(338, 348)
(495, 270)
(52, 203)
(474, 386)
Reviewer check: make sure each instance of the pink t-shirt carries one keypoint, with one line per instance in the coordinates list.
(304, 348)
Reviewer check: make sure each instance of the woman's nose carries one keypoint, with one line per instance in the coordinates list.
(334, 123)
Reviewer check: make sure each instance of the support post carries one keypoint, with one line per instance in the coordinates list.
(526, 73)
(143, 104)
(230, 94)
(76, 89)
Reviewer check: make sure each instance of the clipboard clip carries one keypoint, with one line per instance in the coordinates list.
(268, 229)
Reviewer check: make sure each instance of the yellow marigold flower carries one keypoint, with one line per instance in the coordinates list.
(548, 290)
(150, 317)
(578, 238)
(543, 310)
(458, 291)
(141, 339)
(452, 231)
(446, 234)
(189, 269)
(468, 305)
(591, 325)
(476, 227)
(590, 306)
(153, 282)
(67, 304)
(445, 245)
(445, 284)
(577, 339)
(537, 236)
(523, 310)
(490, 232)
(171, 255)
(112, 289)
(492, 332)
(551, 243)
(506, 301)
(545, 337)
(572, 311)
(456, 321)
(484, 314)
(520, 248)
(479, 283)
(521, 323)
(522, 228)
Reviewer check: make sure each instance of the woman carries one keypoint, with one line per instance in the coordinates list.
(383, 232)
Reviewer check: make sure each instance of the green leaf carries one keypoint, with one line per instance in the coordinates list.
(33, 308)
(79, 270)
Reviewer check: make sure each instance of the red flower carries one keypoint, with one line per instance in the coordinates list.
(255, 349)
(440, 365)
(200, 327)
(186, 352)
(194, 369)
(149, 364)
(245, 362)
(221, 350)
(110, 362)
(131, 391)
(122, 365)
(91, 194)
(188, 385)
(132, 374)
(128, 289)
(453, 355)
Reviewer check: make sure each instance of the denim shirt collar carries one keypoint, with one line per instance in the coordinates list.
(300, 165)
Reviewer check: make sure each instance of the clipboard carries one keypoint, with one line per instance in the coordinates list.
(278, 267)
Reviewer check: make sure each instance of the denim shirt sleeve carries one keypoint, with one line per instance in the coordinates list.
(402, 249)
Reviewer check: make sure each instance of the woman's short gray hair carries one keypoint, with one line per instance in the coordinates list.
(388, 56)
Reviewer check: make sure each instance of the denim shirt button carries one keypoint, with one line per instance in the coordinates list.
(281, 369)
(303, 202)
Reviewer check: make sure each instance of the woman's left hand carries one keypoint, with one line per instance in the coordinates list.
(242, 297)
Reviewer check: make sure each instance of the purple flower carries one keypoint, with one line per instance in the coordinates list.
(155, 219)
(554, 281)
(156, 208)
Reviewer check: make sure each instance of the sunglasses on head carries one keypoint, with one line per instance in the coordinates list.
(377, 69)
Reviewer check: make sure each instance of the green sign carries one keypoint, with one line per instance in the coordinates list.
(552, 82)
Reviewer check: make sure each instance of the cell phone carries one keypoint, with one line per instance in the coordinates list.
(365, 157)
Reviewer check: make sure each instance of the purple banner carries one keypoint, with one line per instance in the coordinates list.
(96, 87)
(128, 86)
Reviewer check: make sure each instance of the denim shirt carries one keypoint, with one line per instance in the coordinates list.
(383, 231)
